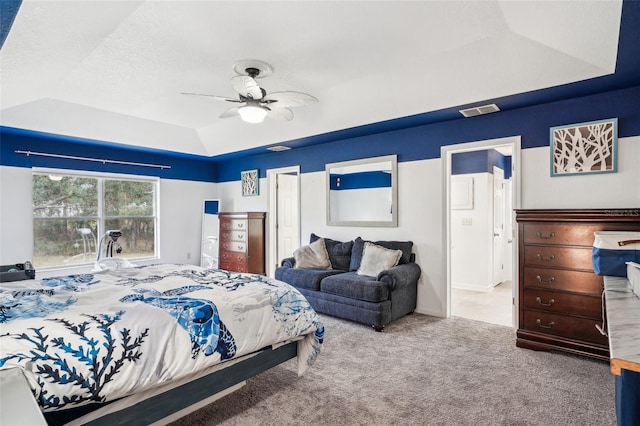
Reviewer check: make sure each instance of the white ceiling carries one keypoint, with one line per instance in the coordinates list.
(114, 70)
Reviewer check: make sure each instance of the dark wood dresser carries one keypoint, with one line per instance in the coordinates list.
(559, 295)
(242, 242)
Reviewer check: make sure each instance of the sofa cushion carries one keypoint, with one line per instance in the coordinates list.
(304, 278)
(312, 256)
(376, 259)
(354, 286)
(358, 247)
(339, 252)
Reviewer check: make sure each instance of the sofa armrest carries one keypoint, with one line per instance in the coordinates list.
(400, 275)
(289, 262)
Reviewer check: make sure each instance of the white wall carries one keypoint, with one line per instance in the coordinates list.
(181, 211)
(420, 195)
(181, 207)
(373, 204)
(16, 225)
(609, 190)
(419, 220)
(471, 238)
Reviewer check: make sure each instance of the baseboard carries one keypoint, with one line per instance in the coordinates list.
(430, 313)
(472, 287)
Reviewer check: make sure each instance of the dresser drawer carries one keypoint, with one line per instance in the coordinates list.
(563, 303)
(233, 235)
(561, 279)
(233, 224)
(560, 234)
(242, 242)
(230, 256)
(234, 267)
(559, 257)
(564, 326)
(233, 246)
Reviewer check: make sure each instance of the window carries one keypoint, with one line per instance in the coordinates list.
(71, 212)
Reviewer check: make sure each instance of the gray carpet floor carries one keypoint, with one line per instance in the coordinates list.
(422, 370)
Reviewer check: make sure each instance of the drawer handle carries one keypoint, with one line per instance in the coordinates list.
(551, 235)
(624, 243)
(549, 281)
(240, 247)
(548, 259)
(241, 225)
(240, 236)
(551, 302)
(550, 325)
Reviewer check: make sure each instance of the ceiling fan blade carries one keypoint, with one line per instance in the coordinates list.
(279, 113)
(246, 86)
(219, 98)
(231, 112)
(289, 99)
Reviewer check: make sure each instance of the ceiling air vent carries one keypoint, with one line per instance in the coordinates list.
(278, 148)
(484, 109)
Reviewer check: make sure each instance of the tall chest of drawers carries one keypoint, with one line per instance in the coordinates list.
(559, 295)
(242, 242)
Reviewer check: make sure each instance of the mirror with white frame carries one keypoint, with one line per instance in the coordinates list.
(363, 192)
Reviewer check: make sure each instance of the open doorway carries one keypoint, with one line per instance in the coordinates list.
(481, 180)
(284, 218)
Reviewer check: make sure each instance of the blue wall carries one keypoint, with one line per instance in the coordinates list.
(211, 206)
(410, 144)
(424, 142)
(8, 11)
(186, 167)
(374, 179)
(480, 162)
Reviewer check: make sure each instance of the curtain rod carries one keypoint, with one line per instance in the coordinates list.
(96, 160)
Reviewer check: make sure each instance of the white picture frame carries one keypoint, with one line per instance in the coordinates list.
(250, 182)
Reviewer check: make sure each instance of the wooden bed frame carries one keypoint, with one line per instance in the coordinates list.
(162, 408)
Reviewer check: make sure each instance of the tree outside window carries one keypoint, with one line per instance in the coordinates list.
(72, 212)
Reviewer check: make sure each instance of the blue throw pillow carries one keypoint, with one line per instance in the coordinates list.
(358, 247)
(339, 252)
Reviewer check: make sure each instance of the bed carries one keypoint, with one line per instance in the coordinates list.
(143, 344)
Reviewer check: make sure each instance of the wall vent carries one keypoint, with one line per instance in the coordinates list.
(484, 109)
(278, 148)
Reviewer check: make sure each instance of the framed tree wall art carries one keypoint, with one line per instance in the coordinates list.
(250, 182)
(584, 148)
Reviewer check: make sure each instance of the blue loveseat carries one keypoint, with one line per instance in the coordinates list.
(341, 291)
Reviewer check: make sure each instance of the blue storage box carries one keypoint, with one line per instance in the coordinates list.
(612, 249)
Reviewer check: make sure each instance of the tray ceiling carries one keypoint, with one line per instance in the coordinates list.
(114, 71)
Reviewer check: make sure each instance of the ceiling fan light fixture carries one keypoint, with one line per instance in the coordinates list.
(252, 113)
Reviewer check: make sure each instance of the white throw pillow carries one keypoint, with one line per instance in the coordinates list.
(313, 256)
(376, 259)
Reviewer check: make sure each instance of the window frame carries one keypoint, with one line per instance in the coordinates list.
(101, 218)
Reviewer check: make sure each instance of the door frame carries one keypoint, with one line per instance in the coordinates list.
(272, 217)
(503, 238)
(445, 154)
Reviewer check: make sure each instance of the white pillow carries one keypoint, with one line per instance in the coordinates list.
(376, 259)
(313, 256)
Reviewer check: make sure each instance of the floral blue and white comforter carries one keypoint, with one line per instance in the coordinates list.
(98, 337)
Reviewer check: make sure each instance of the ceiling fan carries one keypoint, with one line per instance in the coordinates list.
(256, 102)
